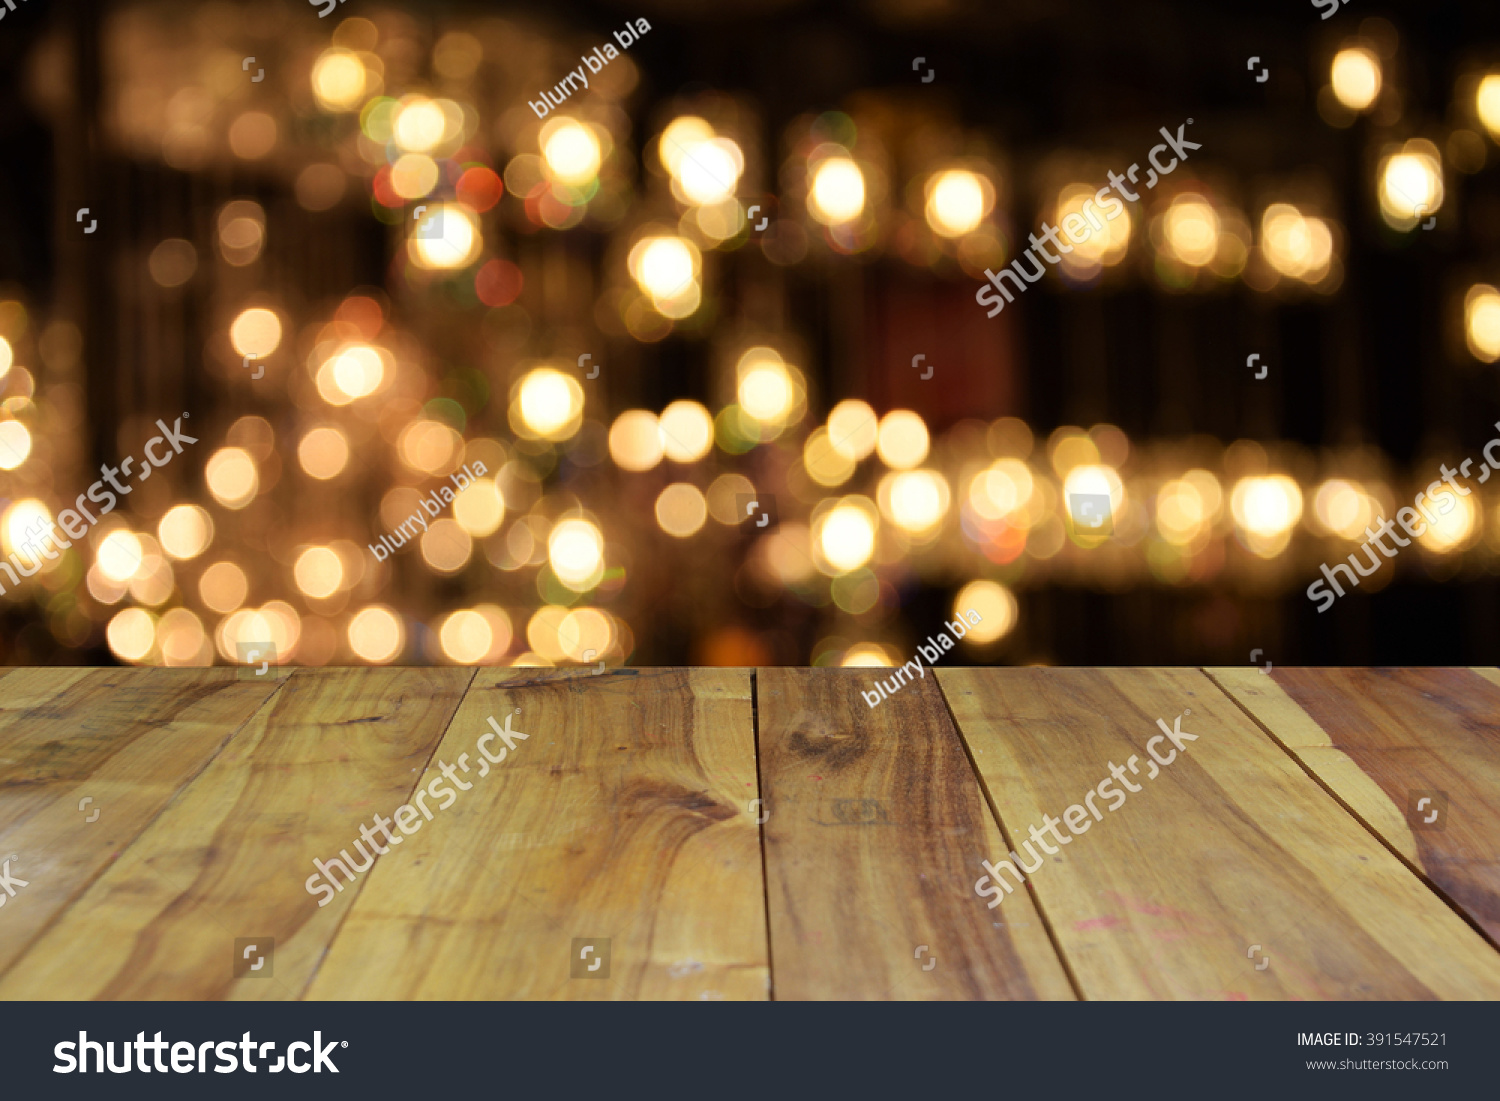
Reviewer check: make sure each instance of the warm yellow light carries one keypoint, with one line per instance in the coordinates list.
(1180, 513)
(338, 80)
(825, 464)
(120, 555)
(324, 452)
(223, 587)
(957, 201)
(1356, 77)
(181, 639)
(679, 138)
(583, 630)
(255, 332)
(1266, 509)
(838, 191)
(766, 392)
(15, 444)
(232, 477)
(1001, 490)
(1487, 104)
(418, 125)
(550, 403)
(446, 546)
(681, 510)
(353, 372)
(866, 655)
(915, 500)
(376, 635)
(576, 551)
(7, 357)
(687, 431)
(428, 446)
(446, 237)
(25, 524)
(710, 171)
(131, 634)
(466, 637)
(1343, 507)
(1454, 531)
(480, 508)
(902, 439)
(1294, 244)
(570, 151)
(1481, 323)
(319, 572)
(994, 604)
(635, 440)
(1192, 229)
(853, 429)
(846, 537)
(1092, 478)
(1411, 185)
(1097, 248)
(185, 531)
(414, 175)
(666, 270)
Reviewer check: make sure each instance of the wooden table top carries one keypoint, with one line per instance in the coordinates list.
(749, 834)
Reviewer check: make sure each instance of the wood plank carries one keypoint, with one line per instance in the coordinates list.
(126, 739)
(1383, 739)
(876, 829)
(1230, 856)
(624, 815)
(228, 857)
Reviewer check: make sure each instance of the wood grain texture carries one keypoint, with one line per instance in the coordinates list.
(228, 857)
(1230, 846)
(1382, 739)
(623, 815)
(873, 844)
(129, 740)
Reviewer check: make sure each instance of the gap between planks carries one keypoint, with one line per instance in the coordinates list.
(1412, 866)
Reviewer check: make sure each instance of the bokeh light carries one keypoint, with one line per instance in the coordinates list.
(902, 439)
(548, 404)
(575, 550)
(681, 510)
(232, 477)
(1355, 77)
(255, 332)
(994, 604)
(376, 635)
(1481, 323)
(1265, 510)
(838, 191)
(185, 531)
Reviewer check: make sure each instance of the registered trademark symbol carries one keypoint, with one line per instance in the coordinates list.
(344, 1043)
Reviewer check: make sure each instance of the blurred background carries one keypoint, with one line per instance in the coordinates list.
(710, 326)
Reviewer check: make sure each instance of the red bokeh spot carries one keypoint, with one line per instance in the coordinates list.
(480, 187)
(384, 194)
(498, 283)
(362, 312)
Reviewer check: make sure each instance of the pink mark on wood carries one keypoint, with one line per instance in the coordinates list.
(1109, 921)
